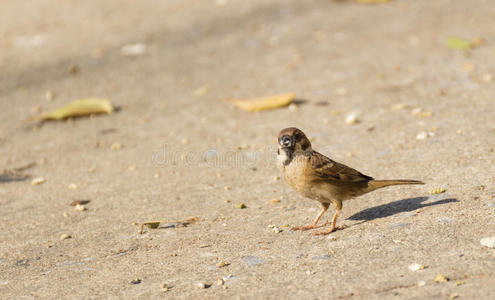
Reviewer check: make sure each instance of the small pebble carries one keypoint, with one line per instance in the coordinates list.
(65, 236)
(80, 207)
(156, 175)
(454, 296)
(164, 287)
(92, 170)
(135, 281)
(240, 205)
(440, 278)
(488, 242)
(222, 264)
(132, 168)
(72, 186)
(331, 237)
(227, 188)
(421, 283)
(416, 267)
(274, 200)
(459, 282)
(38, 181)
(202, 285)
(220, 281)
(351, 119)
(293, 107)
(423, 135)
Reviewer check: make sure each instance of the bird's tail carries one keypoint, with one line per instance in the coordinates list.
(378, 184)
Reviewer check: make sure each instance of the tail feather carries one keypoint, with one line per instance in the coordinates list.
(377, 184)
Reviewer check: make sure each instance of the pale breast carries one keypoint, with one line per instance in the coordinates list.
(296, 175)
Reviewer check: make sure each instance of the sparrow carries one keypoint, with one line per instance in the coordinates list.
(317, 177)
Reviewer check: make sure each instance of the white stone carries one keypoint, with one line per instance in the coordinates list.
(488, 242)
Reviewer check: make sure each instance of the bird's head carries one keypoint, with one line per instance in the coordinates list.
(293, 139)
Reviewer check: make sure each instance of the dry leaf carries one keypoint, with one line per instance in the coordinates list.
(79, 108)
(458, 43)
(264, 103)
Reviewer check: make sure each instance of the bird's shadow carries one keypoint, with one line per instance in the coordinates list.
(8, 177)
(396, 207)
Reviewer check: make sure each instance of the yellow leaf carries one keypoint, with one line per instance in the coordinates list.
(265, 103)
(458, 43)
(79, 108)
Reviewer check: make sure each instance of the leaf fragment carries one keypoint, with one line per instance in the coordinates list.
(80, 108)
(264, 103)
(459, 43)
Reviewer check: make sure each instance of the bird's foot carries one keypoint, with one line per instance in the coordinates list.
(308, 227)
(330, 230)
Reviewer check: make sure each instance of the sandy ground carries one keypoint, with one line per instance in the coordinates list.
(186, 154)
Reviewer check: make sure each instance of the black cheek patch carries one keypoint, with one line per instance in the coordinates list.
(305, 145)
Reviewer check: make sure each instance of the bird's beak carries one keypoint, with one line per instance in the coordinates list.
(286, 141)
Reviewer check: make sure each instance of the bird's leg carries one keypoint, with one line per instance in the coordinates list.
(315, 221)
(338, 209)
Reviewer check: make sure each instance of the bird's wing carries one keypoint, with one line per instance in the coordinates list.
(326, 169)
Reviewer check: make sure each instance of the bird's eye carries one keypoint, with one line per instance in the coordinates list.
(297, 136)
